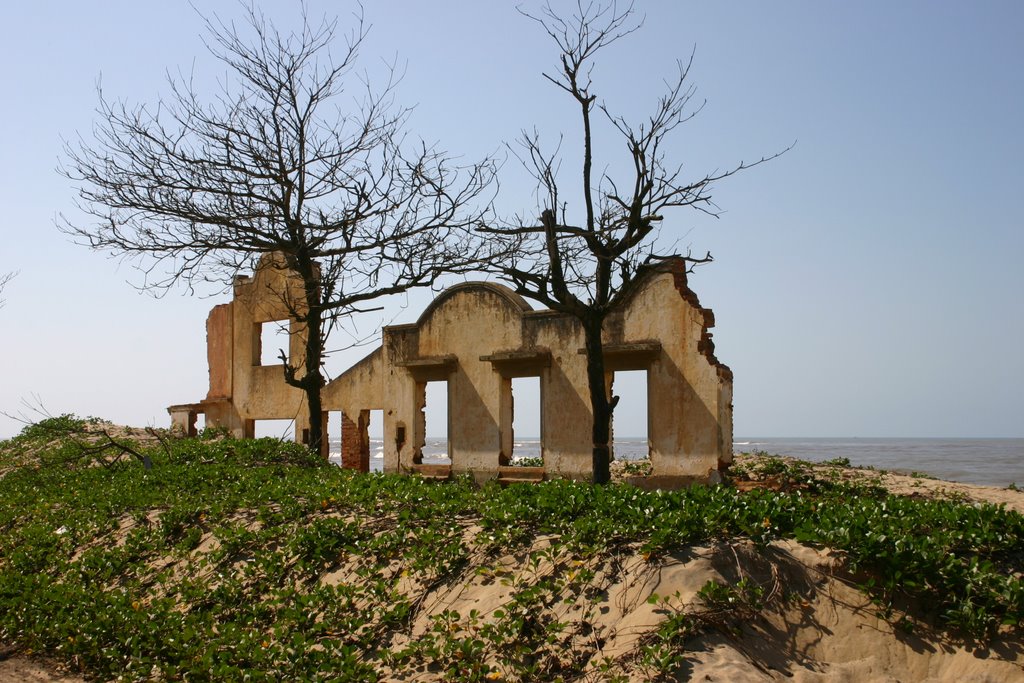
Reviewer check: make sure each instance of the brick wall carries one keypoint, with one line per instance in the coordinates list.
(355, 446)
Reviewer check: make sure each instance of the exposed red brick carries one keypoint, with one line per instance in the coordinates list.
(355, 446)
(704, 346)
(219, 340)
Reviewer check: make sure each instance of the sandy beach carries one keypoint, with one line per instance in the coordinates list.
(903, 484)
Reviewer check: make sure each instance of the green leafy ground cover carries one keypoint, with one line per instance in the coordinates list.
(235, 559)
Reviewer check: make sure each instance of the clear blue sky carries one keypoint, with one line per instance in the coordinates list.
(868, 283)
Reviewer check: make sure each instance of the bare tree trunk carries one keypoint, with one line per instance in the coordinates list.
(600, 405)
(312, 384)
(617, 237)
(312, 380)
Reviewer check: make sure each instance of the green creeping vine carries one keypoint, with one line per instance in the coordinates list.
(253, 559)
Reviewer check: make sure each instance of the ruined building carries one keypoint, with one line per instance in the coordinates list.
(477, 337)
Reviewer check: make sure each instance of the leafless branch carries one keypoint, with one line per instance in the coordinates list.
(294, 155)
(589, 266)
(4, 280)
(91, 441)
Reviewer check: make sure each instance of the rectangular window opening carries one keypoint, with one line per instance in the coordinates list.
(630, 419)
(376, 434)
(273, 339)
(435, 410)
(282, 429)
(527, 447)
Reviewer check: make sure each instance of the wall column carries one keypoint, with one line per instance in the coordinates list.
(355, 442)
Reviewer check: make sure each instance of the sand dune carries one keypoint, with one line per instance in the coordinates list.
(815, 624)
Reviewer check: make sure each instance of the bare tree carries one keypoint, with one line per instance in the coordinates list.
(586, 264)
(4, 279)
(197, 189)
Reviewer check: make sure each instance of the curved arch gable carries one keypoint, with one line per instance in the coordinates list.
(514, 301)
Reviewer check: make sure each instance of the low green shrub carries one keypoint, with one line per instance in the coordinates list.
(229, 542)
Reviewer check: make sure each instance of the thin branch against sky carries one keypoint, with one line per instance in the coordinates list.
(863, 286)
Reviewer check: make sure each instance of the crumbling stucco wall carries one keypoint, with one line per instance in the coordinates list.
(259, 392)
(477, 337)
(242, 390)
(358, 391)
(689, 391)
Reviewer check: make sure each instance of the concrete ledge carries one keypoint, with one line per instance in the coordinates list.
(520, 363)
(633, 356)
(439, 472)
(445, 362)
(430, 369)
(512, 474)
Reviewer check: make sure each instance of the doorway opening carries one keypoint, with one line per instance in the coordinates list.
(199, 426)
(356, 441)
(375, 435)
(527, 433)
(630, 419)
(334, 432)
(434, 447)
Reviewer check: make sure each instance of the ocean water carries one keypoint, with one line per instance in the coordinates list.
(990, 462)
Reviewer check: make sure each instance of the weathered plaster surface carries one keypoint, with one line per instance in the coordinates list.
(477, 337)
